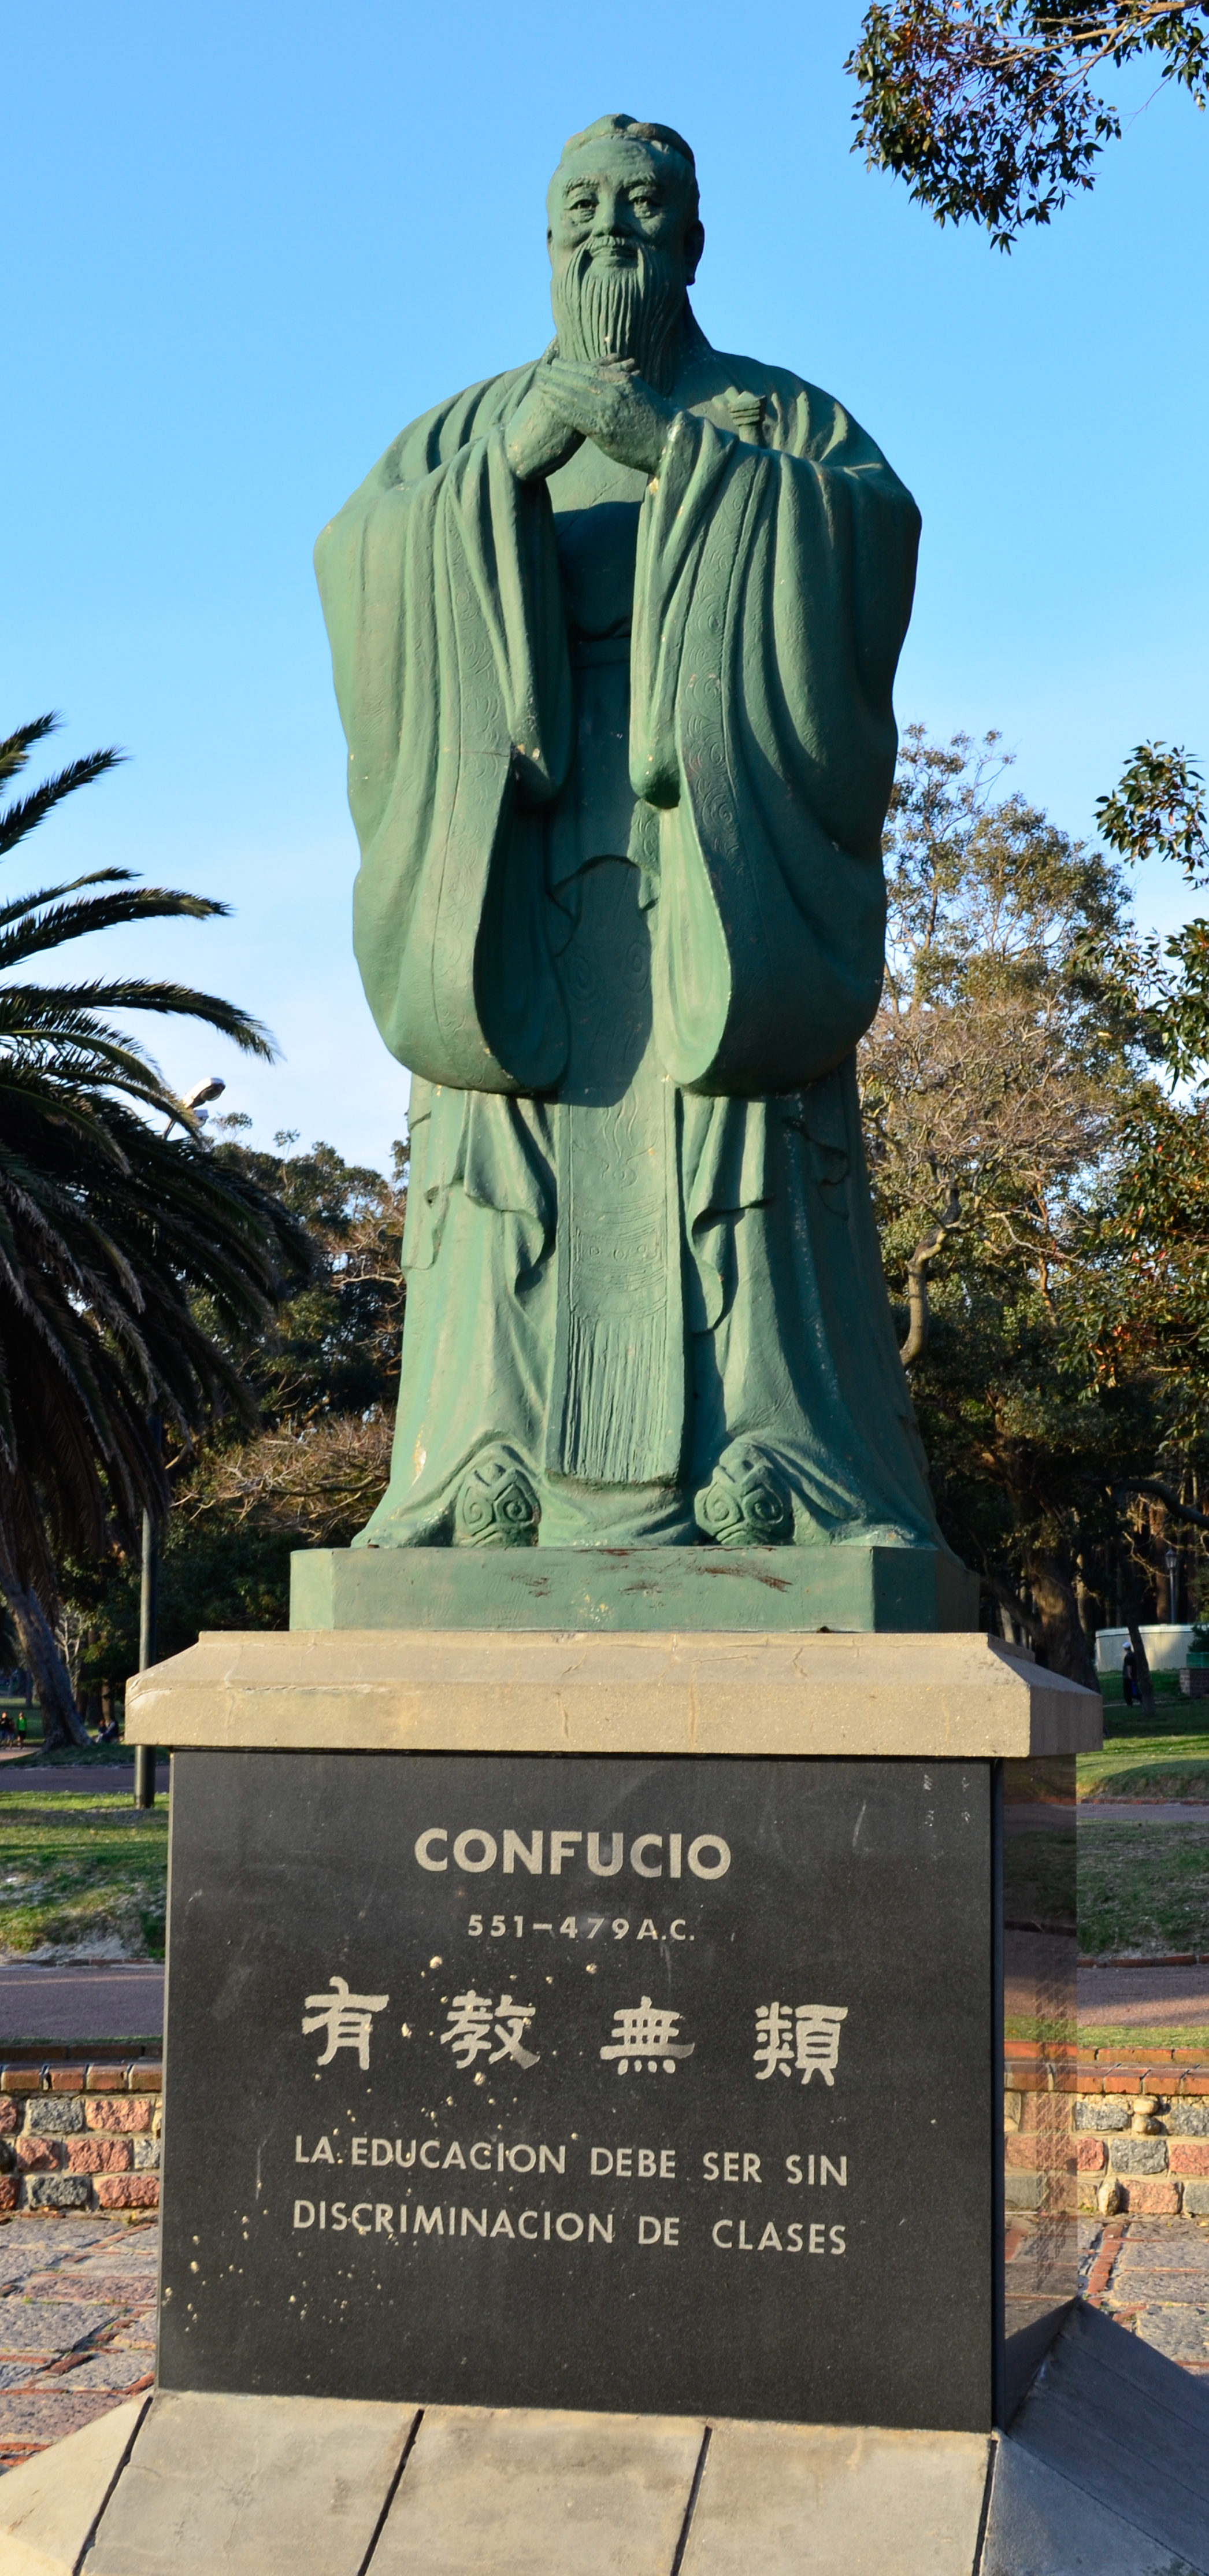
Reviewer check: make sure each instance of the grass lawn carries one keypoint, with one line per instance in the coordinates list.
(1039, 1879)
(1143, 1889)
(1167, 1760)
(70, 1757)
(1166, 1687)
(1116, 2035)
(81, 1880)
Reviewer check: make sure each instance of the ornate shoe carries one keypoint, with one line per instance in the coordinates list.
(745, 1503)
(496, 1504)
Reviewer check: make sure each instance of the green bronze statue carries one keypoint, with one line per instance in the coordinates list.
(614, 638)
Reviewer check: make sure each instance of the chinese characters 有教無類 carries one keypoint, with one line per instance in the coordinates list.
(347, 2019)
(641, 2031)
(474, 2021)
(805, 2037)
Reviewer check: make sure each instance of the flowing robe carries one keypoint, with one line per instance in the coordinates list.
(619, 759)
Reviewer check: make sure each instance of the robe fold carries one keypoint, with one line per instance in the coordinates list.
(619, 759)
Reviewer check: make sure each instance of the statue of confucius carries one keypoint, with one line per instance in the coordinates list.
(614, 638)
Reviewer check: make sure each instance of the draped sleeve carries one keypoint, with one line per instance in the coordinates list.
(440, 588)
(773, 590)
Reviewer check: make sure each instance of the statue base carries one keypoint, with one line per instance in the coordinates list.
(231, 2486)
(619, 2020)
(644, 1588)
(613, 1983)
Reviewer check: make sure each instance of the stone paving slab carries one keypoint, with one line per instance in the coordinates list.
(530, 2493)
(827, 2497)
(1184, 2252)
(51, 2325)
(31, 2422)
(1105, 2473)
(1151, 2276)
(48, 2511)
(92, 2285)
(1134, 2283)
(113, 2288)
(110, 2370)
(1182, 2333)
(253, 2484)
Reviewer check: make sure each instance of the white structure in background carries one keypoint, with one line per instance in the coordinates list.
(1166, 1648)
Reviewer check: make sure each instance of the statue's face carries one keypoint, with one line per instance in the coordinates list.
(624, 245)
(616, 198)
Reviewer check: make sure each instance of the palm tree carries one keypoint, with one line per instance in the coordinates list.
(133, 1266)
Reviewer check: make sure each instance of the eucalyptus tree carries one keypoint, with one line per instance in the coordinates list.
(993, 111)
(1021, 1122)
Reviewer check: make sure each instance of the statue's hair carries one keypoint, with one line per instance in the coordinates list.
(664, 137)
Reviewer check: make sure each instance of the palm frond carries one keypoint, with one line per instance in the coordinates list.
(134, 1265)
(62, 921)
(178, 1001)
(24, 903)
(16, 747)
(20, 819)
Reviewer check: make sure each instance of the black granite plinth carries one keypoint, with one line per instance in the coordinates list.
(655, 2085)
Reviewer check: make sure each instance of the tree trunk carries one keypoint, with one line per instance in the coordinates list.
(1063, 1640)
(1131, 1600)
(61, 1725)
(1011, 1606)
(918, 1268)
(1140, 1658)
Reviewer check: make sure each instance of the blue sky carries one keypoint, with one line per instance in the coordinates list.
(246, 244)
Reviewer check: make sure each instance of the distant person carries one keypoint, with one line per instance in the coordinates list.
(109, 1732)
(1129, 1679)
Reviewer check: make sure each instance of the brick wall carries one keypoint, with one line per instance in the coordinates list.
(83, 2136)
(1131, 2124)
(1128, 2127)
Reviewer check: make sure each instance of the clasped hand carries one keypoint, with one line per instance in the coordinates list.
(610, 403)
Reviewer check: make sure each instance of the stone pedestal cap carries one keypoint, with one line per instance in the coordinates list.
(932, 1697)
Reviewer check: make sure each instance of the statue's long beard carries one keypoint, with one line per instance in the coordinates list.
(634, 311)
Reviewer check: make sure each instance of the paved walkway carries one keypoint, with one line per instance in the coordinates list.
(1144, 1998)
(77, 2324)
(91, 2005)
(96, 1779)
(1141, 1811)
(1152, 2276)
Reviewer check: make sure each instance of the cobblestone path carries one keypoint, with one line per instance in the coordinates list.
(1152, 2276)
(77, 2323)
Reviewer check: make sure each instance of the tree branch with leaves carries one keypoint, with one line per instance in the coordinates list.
(994, 114)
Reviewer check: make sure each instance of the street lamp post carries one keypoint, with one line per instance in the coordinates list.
(144, 1754)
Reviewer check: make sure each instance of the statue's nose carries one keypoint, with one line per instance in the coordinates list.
(612, 219)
